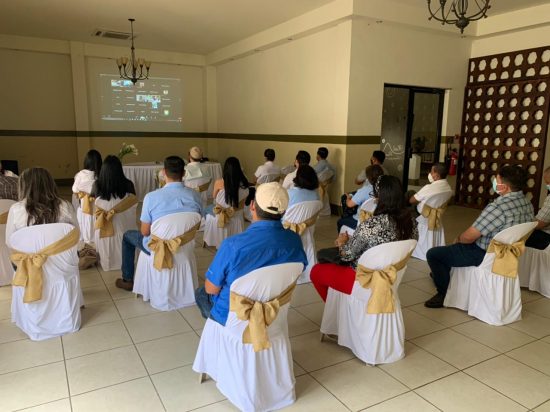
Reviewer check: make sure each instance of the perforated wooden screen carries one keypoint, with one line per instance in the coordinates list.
(505, 121)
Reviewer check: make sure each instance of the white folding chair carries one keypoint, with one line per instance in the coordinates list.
(86, 225)
(368, 206)
(58, 312)
(298, 213)
(325, 179)
(214, 235)
(491, 298)
(6, 269)
(427, 238)
(252, 381)
(169, 289)
(110, 248)
(373, 338)
(534, 270)
(275, 177)
(198, 184)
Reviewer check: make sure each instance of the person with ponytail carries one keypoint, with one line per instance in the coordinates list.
(392, 221)
(234, 184)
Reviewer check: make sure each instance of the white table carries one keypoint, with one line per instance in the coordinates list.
(144, 176)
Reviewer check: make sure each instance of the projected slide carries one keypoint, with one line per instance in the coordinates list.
(153, 100)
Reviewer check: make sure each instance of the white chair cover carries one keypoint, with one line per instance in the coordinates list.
(428, 239)
(375, 339)
(298, 213)
(269, 178)
(534, 270)
(86, 223)
(170, 289)
(213, 235)
(368, 205)
(195, 183)
(492, 298)
(6, 269)
(252, 381)
(110, 248)
(324, 176)
(58, 312)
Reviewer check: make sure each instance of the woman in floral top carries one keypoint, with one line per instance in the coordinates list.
(392, 221)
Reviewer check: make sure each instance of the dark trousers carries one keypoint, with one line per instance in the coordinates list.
(204, 302)
(131, 240)
(442, 259)
(538, 240)
(347, 211)
(348, 221)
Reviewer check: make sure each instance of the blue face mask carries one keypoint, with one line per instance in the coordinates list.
(495, 186)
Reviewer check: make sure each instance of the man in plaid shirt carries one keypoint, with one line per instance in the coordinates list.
(509, 209)
(540, 238)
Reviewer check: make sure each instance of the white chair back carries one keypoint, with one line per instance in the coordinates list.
(437, 199)
(514, 233)
(5, 205)
(369, 205)
(110, 248)
(325, 175)
(385, 254)
(6, 269)
(299, 212)
(58, 312)
(275, 177)
(199, 181)
(175, 224)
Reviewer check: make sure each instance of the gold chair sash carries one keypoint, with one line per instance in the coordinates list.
(226, 213)
(86, 202)
(104, 218)
(259, 316)
(434, 216)
(164, 249)
(29, 265)
(506, 257)
(364, 215)
(203, 188)
(301, 227)
(380, 281)
(323, 188)
(4, 218)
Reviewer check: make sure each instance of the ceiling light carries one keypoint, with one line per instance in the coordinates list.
(455, 12)
(133, 69)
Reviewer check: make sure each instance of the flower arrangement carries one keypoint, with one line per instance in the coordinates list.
(127, 149)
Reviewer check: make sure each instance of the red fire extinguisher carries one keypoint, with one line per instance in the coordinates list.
(454, 162)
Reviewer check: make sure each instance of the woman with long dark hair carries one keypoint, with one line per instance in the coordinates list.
(111, 182)
(84, 180)
(39, 203)
(392, 221)
(234, 184)
(305, 187)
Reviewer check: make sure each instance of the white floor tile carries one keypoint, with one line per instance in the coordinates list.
(418, 367)
(411, 274)
(531, 324)
(9, 332)
(446, 316)
(535, 355)
(103, 369)
(98, 313)
(545, 407)
(96, 294)
(156, 325)
(96, 338)
(529, 296)
(460, 393)
(62, 405)
(311, 396)
(353, 391)
(134, 396)
(5, 293)
(312, 354)
(180, 389)
(160, 355)
(409, 402)
(411, 296)
(519, 382)
(90, 279)
(454, 348)
(417, 325)
(313, 311)
(32, 387)
(425, 285)
(5, 309)
(193, 316)
(304, 294)
(539, 307)
(24, 354)
(500, 338)
(298, 324)
(132, 307)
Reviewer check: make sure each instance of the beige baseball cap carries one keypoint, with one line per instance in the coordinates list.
(195, 152)
(272, 198)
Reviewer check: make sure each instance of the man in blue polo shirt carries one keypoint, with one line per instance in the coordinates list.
(174, 197)
(264, 243)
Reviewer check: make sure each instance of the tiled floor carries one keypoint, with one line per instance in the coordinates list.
(131, 357)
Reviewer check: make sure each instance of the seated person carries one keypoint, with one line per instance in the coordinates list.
(322, 162)
(174, 197)
(8, 184)
(372, 172)
(438, 184)
(40, 203)
(264, 243)
(540, 238)
(194, 169)
(302, 158)
(111, 182)
(84, 180)
(305, 186)
(510, 208)
(268, 168)
(392, 221)
(377, 158)
(234, 184)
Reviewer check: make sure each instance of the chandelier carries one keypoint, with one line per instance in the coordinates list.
(454, 12)
(133, 70)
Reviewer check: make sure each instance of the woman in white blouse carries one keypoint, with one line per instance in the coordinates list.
(84, 180)
(39, 203)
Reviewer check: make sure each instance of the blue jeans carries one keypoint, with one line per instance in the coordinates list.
(204, 302)
(442, 259)
(131, 240)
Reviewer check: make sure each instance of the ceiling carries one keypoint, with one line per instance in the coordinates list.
(190, 26)
(497, 6)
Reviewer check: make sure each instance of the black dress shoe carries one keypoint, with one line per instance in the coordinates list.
(436, 301)
(124, 284)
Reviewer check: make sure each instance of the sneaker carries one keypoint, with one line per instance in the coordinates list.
(436, 301)
(124, 284)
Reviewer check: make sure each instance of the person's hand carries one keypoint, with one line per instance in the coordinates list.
(342, 239)
(348, 196)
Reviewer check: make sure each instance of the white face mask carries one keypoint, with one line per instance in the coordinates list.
(430, 178)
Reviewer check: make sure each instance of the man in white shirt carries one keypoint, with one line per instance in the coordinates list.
(438, 184)
(194, 169)
(302, 158)
(540, 238)
(268, 168)
(322, 162)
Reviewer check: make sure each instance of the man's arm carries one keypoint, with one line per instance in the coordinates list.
(210, 288)
(145, 229)
(349, 201)
(541, 224)
(470, 235)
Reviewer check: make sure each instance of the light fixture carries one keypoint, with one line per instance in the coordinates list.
(454, 12)
(133, 70)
